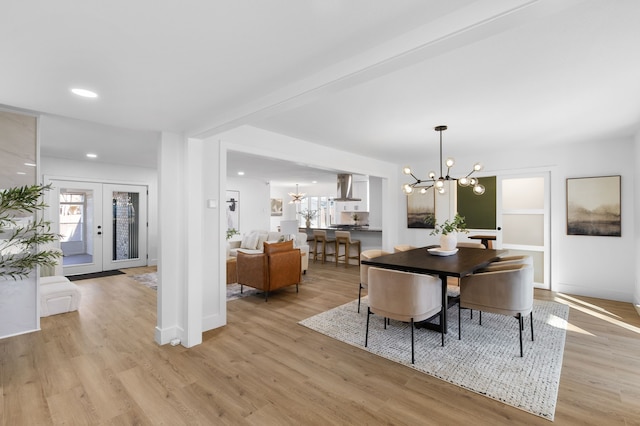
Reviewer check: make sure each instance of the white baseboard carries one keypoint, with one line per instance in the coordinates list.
(604, 293)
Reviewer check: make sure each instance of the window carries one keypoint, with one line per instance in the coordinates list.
(72, 212)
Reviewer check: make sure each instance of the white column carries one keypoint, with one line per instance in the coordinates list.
(172, 239)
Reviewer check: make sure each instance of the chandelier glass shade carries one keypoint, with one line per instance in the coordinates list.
(296, 197)
(439, 182)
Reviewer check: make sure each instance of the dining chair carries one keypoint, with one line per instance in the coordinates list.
(471, 245)
(402, 247)
(404, 296)
(508, 291)
(364, 269)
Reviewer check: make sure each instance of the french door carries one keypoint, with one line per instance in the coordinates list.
(102, 227)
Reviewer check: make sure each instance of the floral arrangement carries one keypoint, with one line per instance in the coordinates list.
(448, 226)
(309, 214)
(355, 217)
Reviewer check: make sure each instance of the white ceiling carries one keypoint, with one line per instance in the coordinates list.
(368, 76)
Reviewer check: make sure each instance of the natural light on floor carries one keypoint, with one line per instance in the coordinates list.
(593, 310)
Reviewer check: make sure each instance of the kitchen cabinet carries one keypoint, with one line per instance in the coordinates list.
(360, 190)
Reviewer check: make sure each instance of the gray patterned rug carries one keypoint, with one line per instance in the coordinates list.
(486, 360)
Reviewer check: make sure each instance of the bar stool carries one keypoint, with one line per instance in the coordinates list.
(343, 238)
(320, 238)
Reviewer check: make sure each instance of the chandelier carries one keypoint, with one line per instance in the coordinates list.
(296, 197)
(439, 183)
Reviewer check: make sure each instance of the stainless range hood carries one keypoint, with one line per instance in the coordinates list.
(345, 188)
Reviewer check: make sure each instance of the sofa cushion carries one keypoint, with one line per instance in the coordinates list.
(250, 241)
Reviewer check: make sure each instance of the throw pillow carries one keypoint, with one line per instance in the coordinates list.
(261, 240)
(250, 241)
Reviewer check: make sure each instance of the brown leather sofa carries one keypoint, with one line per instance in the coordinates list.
(278, 266)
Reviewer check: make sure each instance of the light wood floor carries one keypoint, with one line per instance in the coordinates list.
(101, 366)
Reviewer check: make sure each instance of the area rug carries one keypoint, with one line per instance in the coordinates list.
(233, 290)
(94, 275)
(486, 360)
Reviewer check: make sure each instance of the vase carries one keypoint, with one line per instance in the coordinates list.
(449, 241)
(308, 223)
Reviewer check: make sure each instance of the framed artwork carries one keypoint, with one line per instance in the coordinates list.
(593, 206)
(233, 210)
(276, 207)
(421, 210)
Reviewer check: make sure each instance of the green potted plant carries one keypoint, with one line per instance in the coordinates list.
(356, 218)
(231, 232)
(448, 231)
(22, 234)
(308, 216)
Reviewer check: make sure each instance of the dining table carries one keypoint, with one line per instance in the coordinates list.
(463, 262)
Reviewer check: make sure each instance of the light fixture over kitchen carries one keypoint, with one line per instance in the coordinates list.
(296, 197)
(439, 183)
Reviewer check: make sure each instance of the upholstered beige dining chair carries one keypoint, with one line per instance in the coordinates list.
(471, 245)
(364, 269)
(404, 296)
(508, 291)
(402, 247)
(506, 262)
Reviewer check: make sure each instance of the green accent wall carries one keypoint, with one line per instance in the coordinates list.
(479, 211)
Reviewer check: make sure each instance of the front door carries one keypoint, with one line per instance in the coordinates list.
(102, 227)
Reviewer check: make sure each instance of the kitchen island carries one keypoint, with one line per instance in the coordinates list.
(370, 238)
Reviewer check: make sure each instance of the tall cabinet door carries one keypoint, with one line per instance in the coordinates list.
(125, 226)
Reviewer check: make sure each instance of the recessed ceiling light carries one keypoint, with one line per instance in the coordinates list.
(314, 181)
(240, 173)
(84, 93)
(30, 164)
(92, 155)
(21, 173)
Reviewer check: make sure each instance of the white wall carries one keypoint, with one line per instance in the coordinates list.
(254, 205)
(636, 207)
(112, 173)
(601, 267)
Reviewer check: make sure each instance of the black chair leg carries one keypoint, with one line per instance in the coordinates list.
(359, 296)
(296, 287)
(366, 336)
(480, 316)
(459, 322)
(413, 360)
(266, 294)
(241, 288)
(531, 321)
(520, 330)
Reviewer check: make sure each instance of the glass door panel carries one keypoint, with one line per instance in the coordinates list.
(523, 215)
(80, 228)
(125, 206)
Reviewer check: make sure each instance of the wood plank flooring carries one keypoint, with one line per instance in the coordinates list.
(100, 365)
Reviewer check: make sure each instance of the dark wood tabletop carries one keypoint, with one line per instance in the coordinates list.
(464, 262)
